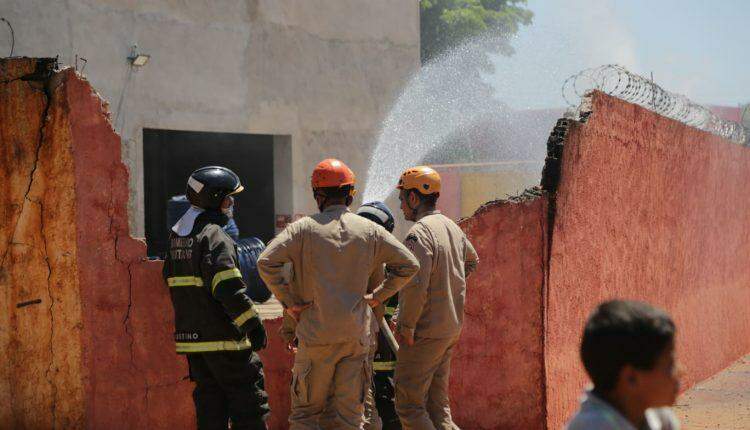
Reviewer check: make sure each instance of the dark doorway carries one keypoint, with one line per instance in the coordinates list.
(170, 156)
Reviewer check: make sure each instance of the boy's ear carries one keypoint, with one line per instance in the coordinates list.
(628, 376)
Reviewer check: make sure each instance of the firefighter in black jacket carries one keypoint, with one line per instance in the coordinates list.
(216, 324)
(384, 359)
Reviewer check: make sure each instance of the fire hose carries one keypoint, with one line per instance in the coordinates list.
(389, 337)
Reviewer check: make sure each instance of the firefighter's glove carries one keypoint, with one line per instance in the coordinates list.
(257, 337)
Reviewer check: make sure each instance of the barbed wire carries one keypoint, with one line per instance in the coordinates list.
(617, 81)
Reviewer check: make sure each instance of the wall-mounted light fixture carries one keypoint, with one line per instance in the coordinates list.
(136, 58)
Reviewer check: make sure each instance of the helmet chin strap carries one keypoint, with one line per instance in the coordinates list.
(414, 210)
(322, 204)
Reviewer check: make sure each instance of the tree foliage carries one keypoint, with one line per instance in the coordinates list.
(448, 23)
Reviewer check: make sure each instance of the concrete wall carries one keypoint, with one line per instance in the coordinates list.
(497, 378)
(321, 71)
(649, 209)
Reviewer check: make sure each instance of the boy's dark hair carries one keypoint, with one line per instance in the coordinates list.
(621, 332)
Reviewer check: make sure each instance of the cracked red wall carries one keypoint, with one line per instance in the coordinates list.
(125, 301)
(651, 209)
(97, 351)
(40, 334)
(132, 377)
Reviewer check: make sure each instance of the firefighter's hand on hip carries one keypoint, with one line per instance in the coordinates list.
(295, 311)
(405, 338)
(371, 300)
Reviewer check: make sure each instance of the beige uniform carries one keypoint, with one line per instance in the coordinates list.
(333, 254)
(372, 419)
(432, 308)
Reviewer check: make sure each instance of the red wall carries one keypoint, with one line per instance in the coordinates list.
(40, 332)
(133, 378)
(497, 369)
(277, 365)
(649, 209)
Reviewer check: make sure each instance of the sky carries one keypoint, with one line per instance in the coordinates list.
(700, 49)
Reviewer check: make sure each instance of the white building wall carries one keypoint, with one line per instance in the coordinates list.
(322, 72)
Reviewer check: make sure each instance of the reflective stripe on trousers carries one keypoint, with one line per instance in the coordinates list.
(380, 366)
(219, 345)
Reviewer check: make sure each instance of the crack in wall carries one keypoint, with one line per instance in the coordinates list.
(148, 388)
(116, 237)
(42, 73)
(50, 369)
(128, 265)
(49, 376)
(126, 318)
(49, 373)
(115, 232)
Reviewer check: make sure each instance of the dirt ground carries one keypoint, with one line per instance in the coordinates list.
(722, 402)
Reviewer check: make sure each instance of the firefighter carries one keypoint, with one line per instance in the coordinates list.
(332, 254)
(216, 324)
(431, 307)
(384, 363)
(378, 213)
(383, 359)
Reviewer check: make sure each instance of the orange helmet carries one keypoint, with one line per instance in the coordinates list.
(421, 178)
(332, 173)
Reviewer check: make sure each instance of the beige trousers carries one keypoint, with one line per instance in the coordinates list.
(329, 377)
(372, 420)
(421, 380)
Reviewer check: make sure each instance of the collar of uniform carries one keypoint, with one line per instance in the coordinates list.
(185, 224)
(432, 212)
(211, 217)
(336, 208)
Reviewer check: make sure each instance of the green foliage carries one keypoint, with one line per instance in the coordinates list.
(447, 23)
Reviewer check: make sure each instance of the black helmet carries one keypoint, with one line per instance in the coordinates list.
(208, 186)
(378, 213)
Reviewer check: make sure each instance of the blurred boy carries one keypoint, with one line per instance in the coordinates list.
(629, 353)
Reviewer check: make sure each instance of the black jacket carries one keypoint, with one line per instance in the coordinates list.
(211, 309)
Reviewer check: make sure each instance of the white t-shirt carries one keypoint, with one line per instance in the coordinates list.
(596, 414)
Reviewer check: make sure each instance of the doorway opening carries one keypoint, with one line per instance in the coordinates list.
(169, 156)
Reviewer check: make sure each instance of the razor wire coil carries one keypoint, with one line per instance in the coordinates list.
(619, 82)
